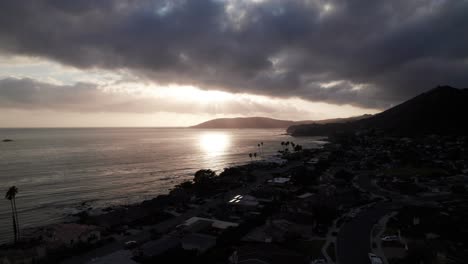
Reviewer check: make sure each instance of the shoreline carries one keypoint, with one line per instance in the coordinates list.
(312, 207)
(97, 212)
(116, 167)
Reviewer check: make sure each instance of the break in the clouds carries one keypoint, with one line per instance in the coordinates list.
(365, 53)
(137, 98)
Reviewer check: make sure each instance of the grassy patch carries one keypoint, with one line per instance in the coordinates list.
(312, 248)
(331, 251)
(408, 172)
(390, 231)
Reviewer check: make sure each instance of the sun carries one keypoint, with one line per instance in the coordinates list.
(214, 144)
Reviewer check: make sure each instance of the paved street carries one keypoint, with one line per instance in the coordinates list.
(353, 242)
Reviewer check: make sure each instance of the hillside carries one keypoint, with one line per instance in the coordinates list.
(442, 110)
(247, 122)
(264, 122)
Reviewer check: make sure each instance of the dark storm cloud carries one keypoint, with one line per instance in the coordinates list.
(396, 49)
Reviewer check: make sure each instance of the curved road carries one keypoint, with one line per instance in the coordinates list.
(353, 240)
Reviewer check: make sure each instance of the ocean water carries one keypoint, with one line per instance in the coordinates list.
(56, 170)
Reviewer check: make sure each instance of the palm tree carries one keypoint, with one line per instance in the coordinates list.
(11, 195)
(250, 155)
(255, 155)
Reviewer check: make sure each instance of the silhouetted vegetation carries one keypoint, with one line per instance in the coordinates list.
(11, 196)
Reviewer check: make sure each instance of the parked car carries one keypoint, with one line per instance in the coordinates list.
(389, 238)
(374, 259)
(131, 244)
(318, 261)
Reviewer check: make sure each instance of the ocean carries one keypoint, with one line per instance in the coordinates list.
(58, 170)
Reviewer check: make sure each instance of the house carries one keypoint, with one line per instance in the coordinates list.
(277, 230)
(266, 253)
(244, 200)
(22, 255)
(305, 195)
(198, 242)
(157, 247)
(279, 181)
(120, 256)
(67, 234)
(200, 225)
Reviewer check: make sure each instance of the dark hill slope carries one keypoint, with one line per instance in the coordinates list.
(443, 110)
(264, 122)
(245, 122)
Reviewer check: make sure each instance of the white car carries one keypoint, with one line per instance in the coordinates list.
(318, 261)
(131, 244)
(374, 259)
(354, 212)
(389, 238)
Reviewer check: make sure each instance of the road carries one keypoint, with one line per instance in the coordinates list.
(261, 176)
(353, 240)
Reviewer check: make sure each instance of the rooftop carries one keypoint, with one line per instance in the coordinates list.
(214, 222)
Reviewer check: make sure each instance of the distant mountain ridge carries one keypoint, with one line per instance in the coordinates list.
(263, 122)
(246, 122)
(442, 110)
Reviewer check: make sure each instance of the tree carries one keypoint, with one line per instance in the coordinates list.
(250, 155)
(204, 176)
(255, 155)
(231, 172)
(185, 185)
(345, 175)
(11, 196)
(303, 176)
(297, 148)
(458, 189)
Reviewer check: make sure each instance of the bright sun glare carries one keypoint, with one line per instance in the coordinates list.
(186, 93)
(214, 144)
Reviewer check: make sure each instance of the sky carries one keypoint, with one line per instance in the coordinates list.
(69, 63)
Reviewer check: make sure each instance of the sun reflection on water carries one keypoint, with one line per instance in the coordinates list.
(214, 144)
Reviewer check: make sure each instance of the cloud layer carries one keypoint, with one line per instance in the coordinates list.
(138, 102)
(361, 52)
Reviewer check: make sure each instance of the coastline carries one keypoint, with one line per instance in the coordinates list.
(56, 170)
(87, 211)
(153, 217)
(310, 208)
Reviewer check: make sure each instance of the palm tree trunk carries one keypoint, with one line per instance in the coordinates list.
(15, 230)
(17, 219)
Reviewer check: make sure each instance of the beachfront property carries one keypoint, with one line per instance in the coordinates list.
(244, 201)
(28, 255)
(154, 248)
(66, 234)
(196, 224)
(279, 181)
(38, 243)
(198, 242)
